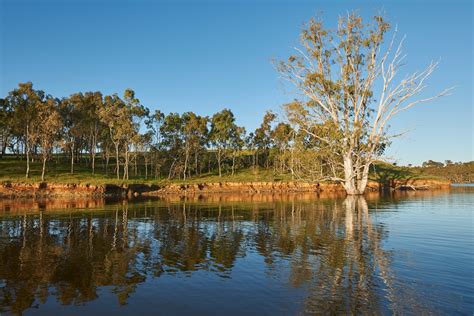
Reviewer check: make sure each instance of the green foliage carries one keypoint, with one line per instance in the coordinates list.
(432, 164)
(459, 172)
(223, 127)
(118, 136)
(346, 79)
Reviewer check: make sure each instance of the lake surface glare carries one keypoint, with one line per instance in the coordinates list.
(290, 254)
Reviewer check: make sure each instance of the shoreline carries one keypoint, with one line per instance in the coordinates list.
(9, 190)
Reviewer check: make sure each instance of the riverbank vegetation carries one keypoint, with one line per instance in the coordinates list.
(335, 131)
(12, 171)
(456, 172)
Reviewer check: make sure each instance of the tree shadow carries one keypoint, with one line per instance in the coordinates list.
(390, 177)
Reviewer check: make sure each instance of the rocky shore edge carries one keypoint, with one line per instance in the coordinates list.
(24, 190)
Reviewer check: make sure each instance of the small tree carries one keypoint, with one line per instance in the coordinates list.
(113, 114)
(171, 131)
(282, 138)
(74, 121)
(347, 78)
(263, 136)
(223, 127)
(153, 124)
(6, 115)
(24, 102)
(93, 103)
(237, 142)
(133, 114)
(47, 128)
(144, 145)
(194, 137)
(432, 164)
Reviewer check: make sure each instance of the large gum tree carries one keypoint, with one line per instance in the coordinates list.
(350, 88)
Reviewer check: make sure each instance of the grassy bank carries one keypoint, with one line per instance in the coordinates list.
(13, 170)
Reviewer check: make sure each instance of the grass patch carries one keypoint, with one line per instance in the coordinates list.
(384, 172)
(13, 170)
(58, 171)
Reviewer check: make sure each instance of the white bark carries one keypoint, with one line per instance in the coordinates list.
(349, 106)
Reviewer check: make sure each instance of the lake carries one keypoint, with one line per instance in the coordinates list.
(283, 254)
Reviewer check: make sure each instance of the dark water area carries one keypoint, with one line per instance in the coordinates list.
(409, 253)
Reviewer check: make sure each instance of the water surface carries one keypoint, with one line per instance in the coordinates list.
(234, 255)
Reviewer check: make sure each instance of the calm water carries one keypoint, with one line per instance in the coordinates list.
(234, 255)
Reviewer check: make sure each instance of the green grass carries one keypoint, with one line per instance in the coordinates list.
(13, 170)
(383, 172)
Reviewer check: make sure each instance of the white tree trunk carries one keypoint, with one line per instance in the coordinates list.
(125, 167)
(233, 163)
(27, 150)
(117, 160)
(72, 158)
(355, 181)
(93, 149)
(44, 168)
(186, 158)
(219, 161)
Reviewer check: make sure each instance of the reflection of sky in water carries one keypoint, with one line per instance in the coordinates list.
(433, 244)
(408, 253)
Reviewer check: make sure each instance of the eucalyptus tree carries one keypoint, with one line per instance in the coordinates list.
(195, 133)
(133, 116)
(251, 146)
(282, 136)
(348, 79)
(123, 118)
(263, 137)
(171, 131)
(144, 145)
(80, 113)
(24, 102)
(223, 128)
(47, 130)
(93, 102)
(107, 146)
(71, 111)
(237, 142)
(153, 123)
(6, 115)
(71, 126)
(113, 114)
(311, 158)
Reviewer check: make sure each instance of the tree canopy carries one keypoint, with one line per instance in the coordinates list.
(349, 87)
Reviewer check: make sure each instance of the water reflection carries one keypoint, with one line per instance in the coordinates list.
(330, 247)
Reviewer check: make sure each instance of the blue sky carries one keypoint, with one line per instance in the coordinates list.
(203, 56)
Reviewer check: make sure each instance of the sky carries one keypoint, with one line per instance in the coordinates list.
(204, 56)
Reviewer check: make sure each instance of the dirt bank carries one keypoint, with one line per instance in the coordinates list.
(14, 190)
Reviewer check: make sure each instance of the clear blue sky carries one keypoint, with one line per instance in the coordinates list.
(205, 55)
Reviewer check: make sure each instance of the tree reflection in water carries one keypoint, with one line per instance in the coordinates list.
(330, 246)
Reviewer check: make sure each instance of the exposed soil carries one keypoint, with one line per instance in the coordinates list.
(41, 190)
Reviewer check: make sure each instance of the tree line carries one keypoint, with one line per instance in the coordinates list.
(456, 172)
(129, 137)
